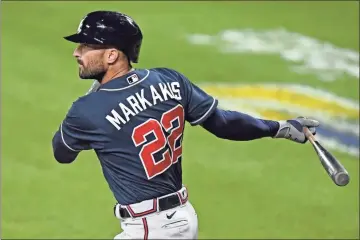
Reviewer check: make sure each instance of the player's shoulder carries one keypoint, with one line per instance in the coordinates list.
(85, 99)
(84, 104)
(166, 71)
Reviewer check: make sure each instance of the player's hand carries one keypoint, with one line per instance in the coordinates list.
(293, 129)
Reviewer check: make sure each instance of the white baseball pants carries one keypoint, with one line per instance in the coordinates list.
(180, 222)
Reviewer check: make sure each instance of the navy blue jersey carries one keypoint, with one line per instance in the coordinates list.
(135, 124)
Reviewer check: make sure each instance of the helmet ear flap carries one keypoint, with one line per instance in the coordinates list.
(132, 52)
(135, 52)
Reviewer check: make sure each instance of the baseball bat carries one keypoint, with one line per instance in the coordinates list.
(332, 166)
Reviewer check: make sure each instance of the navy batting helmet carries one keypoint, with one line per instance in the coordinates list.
(110, 28)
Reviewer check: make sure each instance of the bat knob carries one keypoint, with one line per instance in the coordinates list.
(341, 179)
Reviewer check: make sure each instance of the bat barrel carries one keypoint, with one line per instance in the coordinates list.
(332, 166)
(341, 178)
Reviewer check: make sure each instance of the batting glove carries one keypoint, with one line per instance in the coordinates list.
(293, 129)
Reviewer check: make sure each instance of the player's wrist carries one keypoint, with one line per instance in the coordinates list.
(273, 127)
(282, 130)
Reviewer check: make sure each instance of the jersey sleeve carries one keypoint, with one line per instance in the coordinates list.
(73, 136)
(76, 130)
(198, 104)
(76, 133)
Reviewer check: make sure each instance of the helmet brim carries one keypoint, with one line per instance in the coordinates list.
(80, 38)
(76, 38)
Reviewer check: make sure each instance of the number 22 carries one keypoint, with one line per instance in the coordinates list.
(171, 154)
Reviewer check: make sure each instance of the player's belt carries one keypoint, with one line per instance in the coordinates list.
(159, 204)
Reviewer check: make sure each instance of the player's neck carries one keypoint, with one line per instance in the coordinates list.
(110, 75)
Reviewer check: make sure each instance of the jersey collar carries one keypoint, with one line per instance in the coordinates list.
(128, 80)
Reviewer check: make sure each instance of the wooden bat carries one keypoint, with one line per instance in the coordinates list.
(332, 166)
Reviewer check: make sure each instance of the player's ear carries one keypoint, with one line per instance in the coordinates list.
(112, 55)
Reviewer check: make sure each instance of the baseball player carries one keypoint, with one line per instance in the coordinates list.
(134, 120)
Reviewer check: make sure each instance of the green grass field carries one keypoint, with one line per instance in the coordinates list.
(260, 189)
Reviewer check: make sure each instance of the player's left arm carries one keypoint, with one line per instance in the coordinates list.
(75, 134)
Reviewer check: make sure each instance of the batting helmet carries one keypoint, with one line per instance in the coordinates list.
(110, 28)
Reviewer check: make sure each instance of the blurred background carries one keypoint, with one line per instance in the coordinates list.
(275, 60)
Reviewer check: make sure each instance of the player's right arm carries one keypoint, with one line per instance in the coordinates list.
(237, 126)
(198, 105)
(201, 109)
